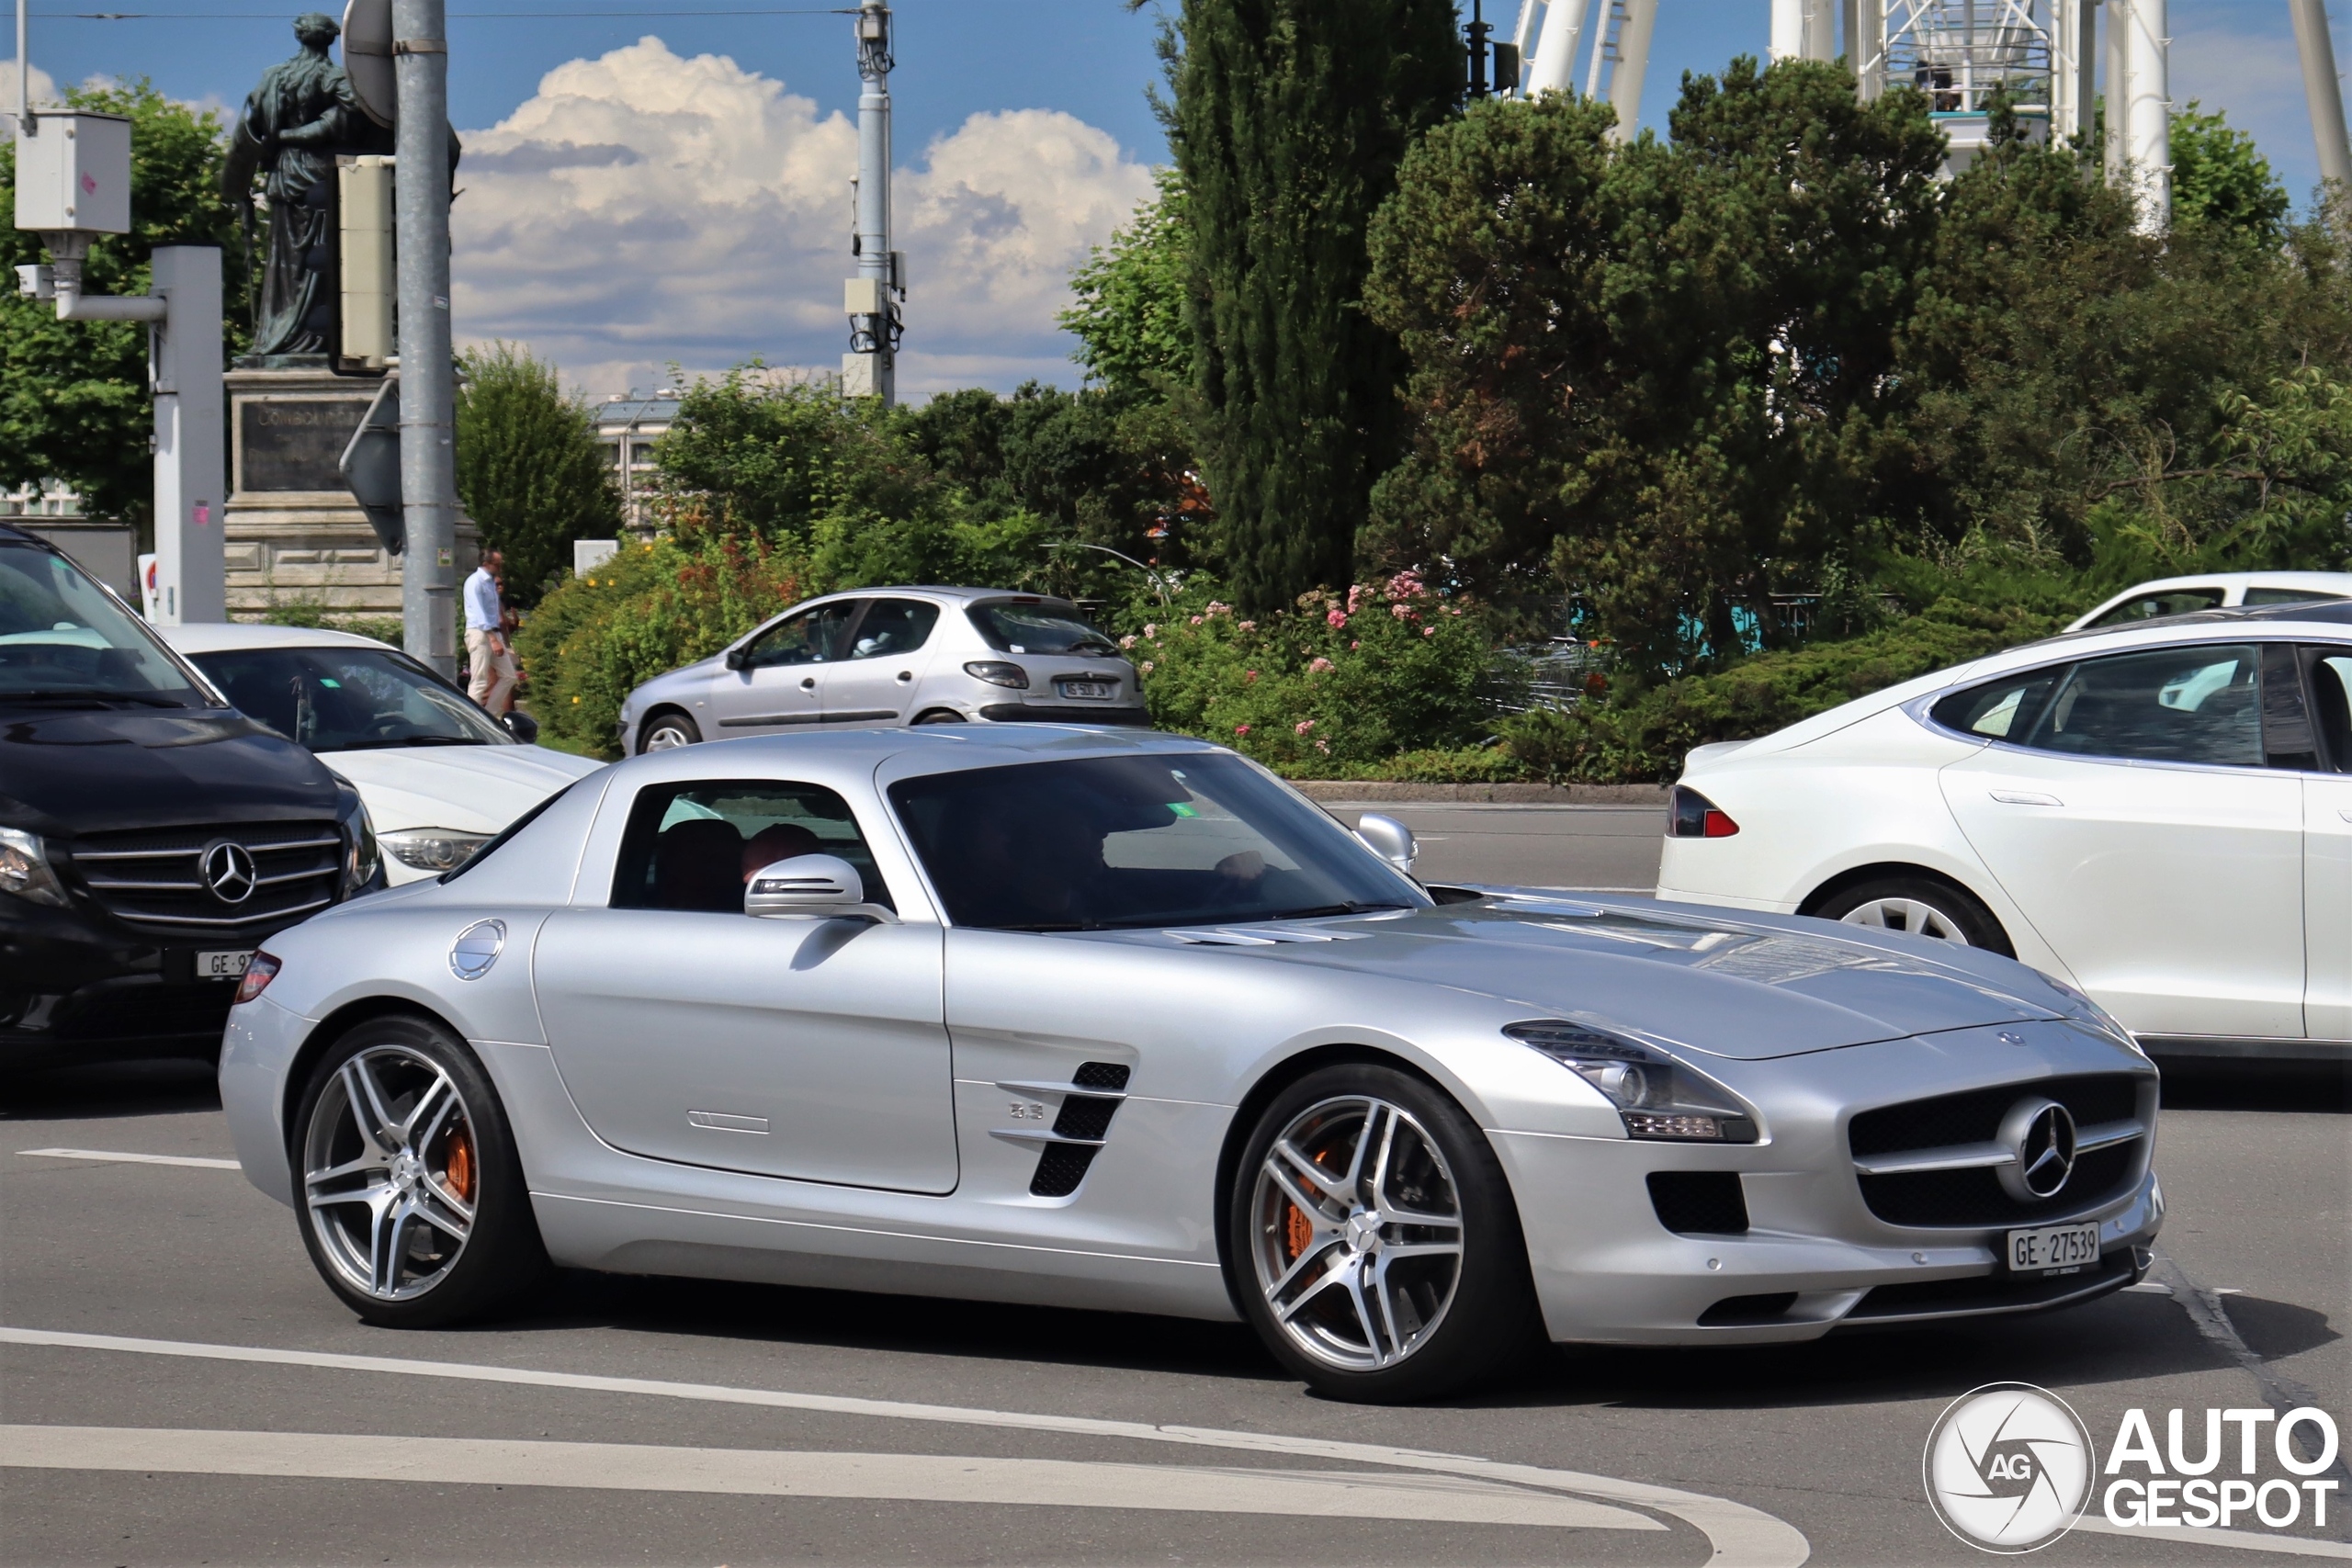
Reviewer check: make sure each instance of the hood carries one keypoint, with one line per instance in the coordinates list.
(474, 789)
(1727, 987)
(91, 771)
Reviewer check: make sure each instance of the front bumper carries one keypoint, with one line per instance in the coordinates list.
(71, 990)
(1814, 1258)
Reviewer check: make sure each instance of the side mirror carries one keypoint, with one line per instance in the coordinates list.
(739, 658)
(811, 887)
(1388, 839)
(521, 725)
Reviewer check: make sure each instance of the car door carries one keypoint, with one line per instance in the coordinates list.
(778, 678)
(688, 1030)
(2327, 846)
(882, 664)
(2129, 807)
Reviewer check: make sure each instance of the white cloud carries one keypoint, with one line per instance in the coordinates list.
(43, 90)
(642, 208)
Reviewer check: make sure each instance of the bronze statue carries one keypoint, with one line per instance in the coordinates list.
(296, 122)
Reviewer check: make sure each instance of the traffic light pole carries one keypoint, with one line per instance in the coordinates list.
(428, 379)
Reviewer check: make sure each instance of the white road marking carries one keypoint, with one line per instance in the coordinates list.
(124, 1156)
(774, 1473)
(1741, 1536)
(2243, 1540)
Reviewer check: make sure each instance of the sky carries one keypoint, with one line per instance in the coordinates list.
(645, 186)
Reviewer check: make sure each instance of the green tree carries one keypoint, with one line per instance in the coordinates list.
(2221, 180)
(1129, 319)
(1288, 123)
(530, 470)
(74, 395)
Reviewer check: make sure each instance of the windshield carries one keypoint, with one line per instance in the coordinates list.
(1119, 841)
(1038, 625)
(348, 699)
(60, 635)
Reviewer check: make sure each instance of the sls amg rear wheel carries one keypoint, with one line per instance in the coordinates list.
(1377, 1248)
(1922, 906)
(412, 1205)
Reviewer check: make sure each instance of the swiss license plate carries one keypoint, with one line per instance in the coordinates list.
(2055, 1249)
(224, 965)
(1087, 688)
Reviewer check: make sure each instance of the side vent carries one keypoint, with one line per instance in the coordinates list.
(1079, 1131)
(1700, 1202)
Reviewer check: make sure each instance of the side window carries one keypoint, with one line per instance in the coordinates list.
(894, 625)
(693, 846)
(2289, 596)
(2198, 703)
(2000, 710)
(812, 636)
(2172, 601)
(2331, 681)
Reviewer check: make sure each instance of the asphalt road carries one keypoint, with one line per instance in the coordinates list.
(176, 1386)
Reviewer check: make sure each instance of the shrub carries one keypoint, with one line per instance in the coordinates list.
(1341, 681)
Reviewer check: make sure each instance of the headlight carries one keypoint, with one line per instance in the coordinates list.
(1656, 1096)
(432, 849)
(997, 672)
(24, 870)
(360, 860)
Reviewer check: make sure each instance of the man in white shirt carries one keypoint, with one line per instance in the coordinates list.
(489, 657)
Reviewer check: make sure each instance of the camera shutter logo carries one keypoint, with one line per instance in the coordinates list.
(230, 871)
(2008, 1467)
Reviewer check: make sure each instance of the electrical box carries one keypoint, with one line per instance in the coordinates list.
(369, 283)
(73, 173)
(862, 296)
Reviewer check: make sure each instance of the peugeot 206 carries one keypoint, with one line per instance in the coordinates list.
(1103, 1019)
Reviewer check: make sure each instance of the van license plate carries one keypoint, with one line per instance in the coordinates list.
(1087, 688)
(2056, 1249)
(224, 965)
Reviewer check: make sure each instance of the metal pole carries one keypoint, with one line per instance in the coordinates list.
(2320, 89)
(25, 126)
(429, 382)
(190, 581)
(2148, 114)
(1632, 64)
(870, 368)
(1556, 49)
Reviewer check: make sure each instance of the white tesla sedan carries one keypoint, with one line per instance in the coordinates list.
(440, 777)
(2214, 590)
(2161, 813)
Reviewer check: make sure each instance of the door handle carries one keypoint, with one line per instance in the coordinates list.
(807, 683)
(905, 676)
(2025, 797)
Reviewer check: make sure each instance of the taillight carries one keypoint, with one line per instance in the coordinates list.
(259, 973)
(1696, 817)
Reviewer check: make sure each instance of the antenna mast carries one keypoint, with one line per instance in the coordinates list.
(870, 368)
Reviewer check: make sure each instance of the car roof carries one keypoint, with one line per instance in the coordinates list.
(2337, 581)
(223, 636)
(966, 595)
(2328, 612)
(921, 748)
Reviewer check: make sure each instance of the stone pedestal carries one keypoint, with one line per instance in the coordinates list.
(293, 531)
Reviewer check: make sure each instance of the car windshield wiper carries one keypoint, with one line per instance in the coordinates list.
(1319, 911)
(379, 743)
(61, 695)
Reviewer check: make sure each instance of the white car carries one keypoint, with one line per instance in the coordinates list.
(2215, 591)
(440, 777)
(2160, 813)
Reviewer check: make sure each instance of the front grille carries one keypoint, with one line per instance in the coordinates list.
(1974, 1197)
(1975, 1116)
(153, 878)
(1085, 1116)
(1703, 1202)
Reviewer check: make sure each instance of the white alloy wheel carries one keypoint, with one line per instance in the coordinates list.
(1911, 915)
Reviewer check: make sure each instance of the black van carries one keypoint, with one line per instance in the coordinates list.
(150, 835)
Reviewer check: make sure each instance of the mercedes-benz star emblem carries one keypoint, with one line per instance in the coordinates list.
(230, 871)
(2039, 1136)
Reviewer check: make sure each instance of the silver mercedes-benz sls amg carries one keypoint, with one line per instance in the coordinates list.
(1111, 1019)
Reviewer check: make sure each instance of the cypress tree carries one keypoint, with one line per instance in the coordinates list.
(1290, 119)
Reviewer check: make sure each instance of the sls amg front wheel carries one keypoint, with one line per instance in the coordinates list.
(1375, 1245)
(412, 1205)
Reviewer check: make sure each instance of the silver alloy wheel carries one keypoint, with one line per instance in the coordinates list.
(1358, 1233)
(1907, 915)
(666, 736)
(391, 1172)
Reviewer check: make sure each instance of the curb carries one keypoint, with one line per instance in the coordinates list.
(1486, 793)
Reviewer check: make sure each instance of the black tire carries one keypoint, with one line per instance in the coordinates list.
(668, 723)
(435, 1276)
(1935, 908)
(940, 716)
(1430, 1341)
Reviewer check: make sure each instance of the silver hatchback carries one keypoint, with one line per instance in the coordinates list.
(882, 657)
